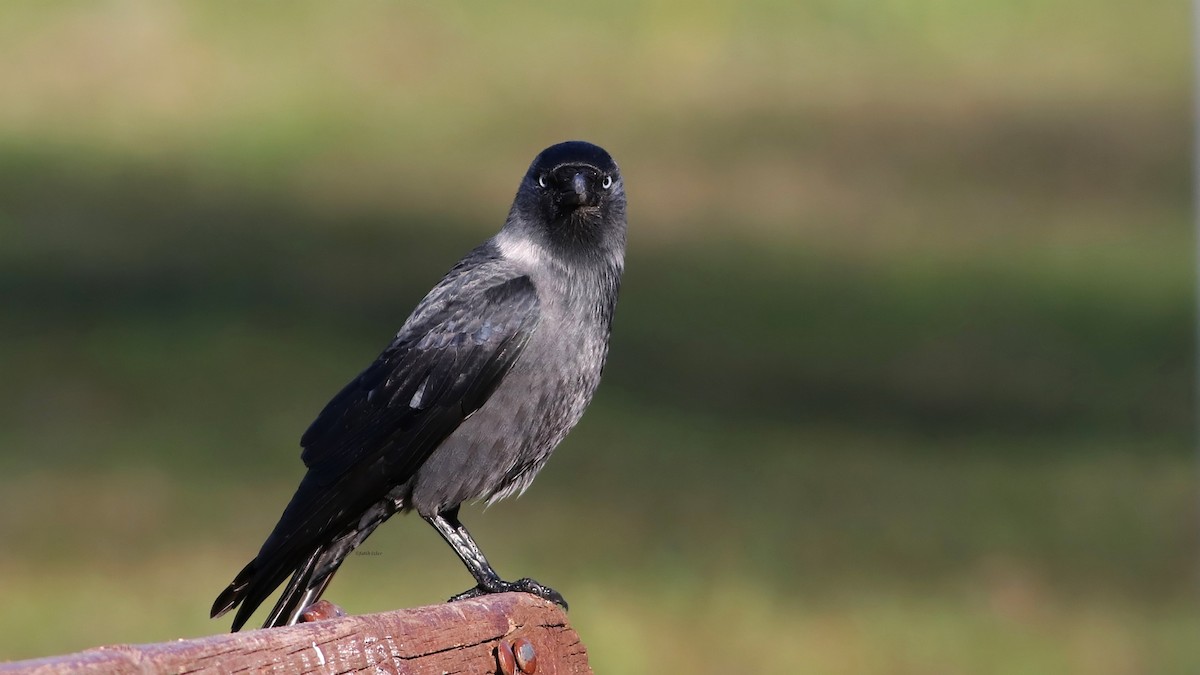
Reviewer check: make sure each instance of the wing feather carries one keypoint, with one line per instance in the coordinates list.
(454, 359)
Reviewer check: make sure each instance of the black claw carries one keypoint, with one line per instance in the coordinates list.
(468, 594)
(544, 592)
(525, 585)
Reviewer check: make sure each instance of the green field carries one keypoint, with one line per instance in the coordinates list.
(901, 378)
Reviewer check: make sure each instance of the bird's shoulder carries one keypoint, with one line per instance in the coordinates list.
(474, 285)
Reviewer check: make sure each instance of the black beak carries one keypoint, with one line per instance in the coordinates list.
(578, 196)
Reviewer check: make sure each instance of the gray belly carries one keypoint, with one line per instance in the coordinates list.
(497, 451)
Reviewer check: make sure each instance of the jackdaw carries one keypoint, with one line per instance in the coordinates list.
(489, 373)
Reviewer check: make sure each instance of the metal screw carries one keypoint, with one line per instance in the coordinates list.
(526, 655)
(320, 611)
(504, 656)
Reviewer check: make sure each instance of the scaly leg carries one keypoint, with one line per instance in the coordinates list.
(487, 581)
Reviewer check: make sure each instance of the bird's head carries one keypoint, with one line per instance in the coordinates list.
(575, 193)
(570, 177)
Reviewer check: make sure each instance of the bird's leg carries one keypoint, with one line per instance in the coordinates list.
(487, 581)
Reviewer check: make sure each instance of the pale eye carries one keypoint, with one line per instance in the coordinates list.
(607, 182)
(542, 180)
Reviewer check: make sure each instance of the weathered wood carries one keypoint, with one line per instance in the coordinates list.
(457, 637)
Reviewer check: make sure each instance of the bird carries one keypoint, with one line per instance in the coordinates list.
(467, 402)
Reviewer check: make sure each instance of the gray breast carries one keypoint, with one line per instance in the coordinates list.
(497, 451)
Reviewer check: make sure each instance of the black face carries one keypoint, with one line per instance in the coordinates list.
(573, 180)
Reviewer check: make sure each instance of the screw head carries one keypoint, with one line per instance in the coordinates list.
(526, 655)
(320, 611)
(506, 659)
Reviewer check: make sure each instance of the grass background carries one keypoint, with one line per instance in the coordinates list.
(901, 378)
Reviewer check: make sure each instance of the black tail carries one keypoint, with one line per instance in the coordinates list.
(310, 557)
(300, 592)
(251, 587)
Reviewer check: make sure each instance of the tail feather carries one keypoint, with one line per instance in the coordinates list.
(294, 601)
(254, 584)
(311, 571)
(235, 592)
(296, 594)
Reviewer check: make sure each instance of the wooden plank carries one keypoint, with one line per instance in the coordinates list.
(457, 637)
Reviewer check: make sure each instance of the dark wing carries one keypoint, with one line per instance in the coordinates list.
(374, 435)
(446, 364)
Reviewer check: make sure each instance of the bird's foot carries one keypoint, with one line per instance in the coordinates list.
(320, 611)
(525, 585)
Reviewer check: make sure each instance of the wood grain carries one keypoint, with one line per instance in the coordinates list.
(458, 637)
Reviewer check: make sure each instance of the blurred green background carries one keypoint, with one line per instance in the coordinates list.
(901, 379)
